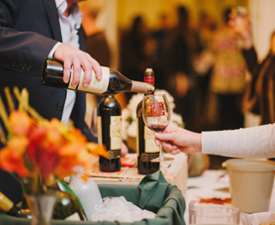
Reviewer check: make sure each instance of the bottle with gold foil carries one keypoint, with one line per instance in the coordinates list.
(147, 149)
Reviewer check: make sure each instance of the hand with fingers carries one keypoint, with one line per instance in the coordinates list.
(74, 61)
(175, 139)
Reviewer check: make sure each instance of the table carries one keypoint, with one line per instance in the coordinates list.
(174, 168)
(215, 183)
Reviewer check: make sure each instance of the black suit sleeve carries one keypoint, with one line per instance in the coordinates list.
(20, 51)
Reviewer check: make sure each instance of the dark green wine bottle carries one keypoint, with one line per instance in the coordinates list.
(67, 203)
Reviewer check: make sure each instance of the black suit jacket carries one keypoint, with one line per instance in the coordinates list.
(28, 31)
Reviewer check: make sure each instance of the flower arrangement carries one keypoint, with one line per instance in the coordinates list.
(41, 151)
(129, 117)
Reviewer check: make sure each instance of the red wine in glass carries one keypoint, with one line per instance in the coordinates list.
(157, 128)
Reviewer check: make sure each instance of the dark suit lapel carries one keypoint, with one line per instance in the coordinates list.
(53, 18)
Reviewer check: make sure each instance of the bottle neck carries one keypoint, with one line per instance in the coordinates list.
(149, 79)
(141, 87)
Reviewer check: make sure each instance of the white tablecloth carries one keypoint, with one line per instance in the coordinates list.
(215, 183)
(174, 168)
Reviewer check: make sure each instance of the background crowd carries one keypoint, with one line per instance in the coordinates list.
(210, 67)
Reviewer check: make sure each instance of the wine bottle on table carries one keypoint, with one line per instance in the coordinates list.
(109, 134)
(112, 81)
(148, 150)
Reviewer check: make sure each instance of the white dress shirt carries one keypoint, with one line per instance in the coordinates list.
(69, 26)
(250, 142)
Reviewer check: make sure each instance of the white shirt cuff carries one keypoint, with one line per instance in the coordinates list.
(51, 54)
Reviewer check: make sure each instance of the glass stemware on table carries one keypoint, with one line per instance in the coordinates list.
(213, 214)
(156, 114)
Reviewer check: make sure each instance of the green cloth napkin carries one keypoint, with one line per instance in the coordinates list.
(157, 195)
(152, 191)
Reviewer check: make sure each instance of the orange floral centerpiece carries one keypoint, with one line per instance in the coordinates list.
(41, 151)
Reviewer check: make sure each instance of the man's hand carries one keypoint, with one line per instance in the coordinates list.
(74, 61)
(175, 139)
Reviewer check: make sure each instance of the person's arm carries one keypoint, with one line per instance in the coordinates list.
(24, 51)
(20, 51)
(249, 142)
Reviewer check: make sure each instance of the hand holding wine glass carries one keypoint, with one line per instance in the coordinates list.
(175, 139)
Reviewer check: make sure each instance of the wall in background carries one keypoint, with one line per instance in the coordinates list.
(263, 21)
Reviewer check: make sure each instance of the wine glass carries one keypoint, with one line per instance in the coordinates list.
(156, 114)
(202, 213)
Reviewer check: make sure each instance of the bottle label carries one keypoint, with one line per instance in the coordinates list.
(150, 141)
(95, 86)
(150, 157)
(115, 133)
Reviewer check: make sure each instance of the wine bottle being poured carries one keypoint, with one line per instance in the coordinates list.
(112, 81)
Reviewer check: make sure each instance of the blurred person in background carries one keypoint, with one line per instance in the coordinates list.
(203, 65)
(133, 49)
(206, 28)
(160, 35)
(180, 49)
(260, 98)
(262, 95)
(228, 77)
(138, 50)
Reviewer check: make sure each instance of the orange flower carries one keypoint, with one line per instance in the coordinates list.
(20, 123)
(75, 135)
(18, 144)
(96, 149)
(40, 148)
(12, 162)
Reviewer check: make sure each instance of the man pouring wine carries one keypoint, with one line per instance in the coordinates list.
(32, 31)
